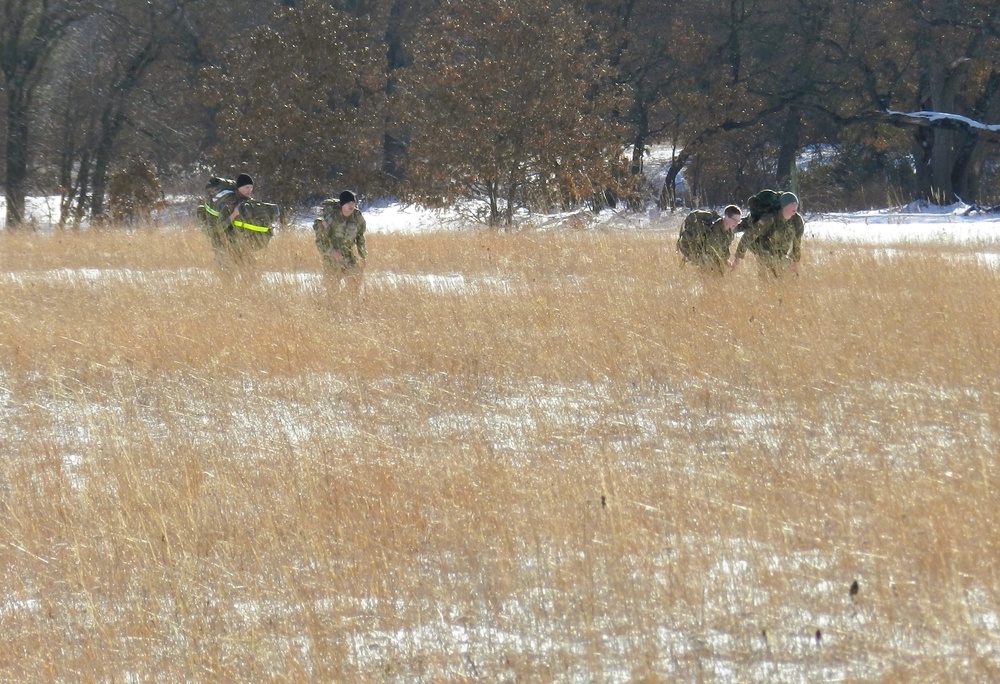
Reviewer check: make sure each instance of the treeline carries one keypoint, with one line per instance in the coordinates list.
(535, 104)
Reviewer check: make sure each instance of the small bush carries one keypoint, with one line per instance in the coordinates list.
(134, 193)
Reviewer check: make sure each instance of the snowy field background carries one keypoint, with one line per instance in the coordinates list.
(916, 222)
(616, 509)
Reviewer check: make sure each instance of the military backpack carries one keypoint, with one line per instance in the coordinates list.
(764, 202)
(256, 220)
(215, 191)
(691, 241)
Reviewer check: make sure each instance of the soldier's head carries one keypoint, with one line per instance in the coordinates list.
(731, 217)
(348, 203)
(244, 184)
(789, 204)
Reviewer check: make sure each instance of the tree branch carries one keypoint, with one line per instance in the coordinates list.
(951, 122)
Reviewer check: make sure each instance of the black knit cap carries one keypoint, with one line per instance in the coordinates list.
(243, 179)
(348, 196)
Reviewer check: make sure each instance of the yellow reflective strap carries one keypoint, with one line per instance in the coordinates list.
(250, 226)
(239, 224)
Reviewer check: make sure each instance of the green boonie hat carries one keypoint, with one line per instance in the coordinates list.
(788, 198)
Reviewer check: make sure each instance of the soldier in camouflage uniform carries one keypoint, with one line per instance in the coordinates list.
(230, 244)
(708, 246)
(776, 239)
(340, 239)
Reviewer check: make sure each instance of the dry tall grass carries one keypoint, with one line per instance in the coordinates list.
(562, 458)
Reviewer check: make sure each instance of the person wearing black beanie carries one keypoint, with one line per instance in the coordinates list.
(236, 234)
(244, 188)
(340, 239)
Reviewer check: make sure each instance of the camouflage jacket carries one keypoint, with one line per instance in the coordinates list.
(339, 233)
(773, 236)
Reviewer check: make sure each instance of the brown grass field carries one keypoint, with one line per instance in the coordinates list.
(529, 456)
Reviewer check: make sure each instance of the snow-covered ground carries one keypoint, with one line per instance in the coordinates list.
(891, 229)
(914, 223)
(509, 421)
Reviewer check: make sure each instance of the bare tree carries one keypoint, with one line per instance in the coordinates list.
(729, 52)
(98, 90)
(30, 31)
(651, 48)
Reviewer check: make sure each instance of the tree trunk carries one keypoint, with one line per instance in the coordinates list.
(16, 166)
(788, 149)
(968, 170)
(73, 191)
(82, 190)
(102, 161)
(938, 92)
(640, 138)
(668, 196)
(492, 189)
(936, 163)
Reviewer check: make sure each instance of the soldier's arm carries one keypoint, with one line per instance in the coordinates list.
(752, 233)
(225, 210)
(800, 228)
(234, 211)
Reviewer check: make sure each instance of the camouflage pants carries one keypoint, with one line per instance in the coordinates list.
(344, 273)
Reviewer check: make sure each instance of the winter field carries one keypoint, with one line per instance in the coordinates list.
(546, 454)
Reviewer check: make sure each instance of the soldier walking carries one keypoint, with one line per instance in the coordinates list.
(340, 239)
